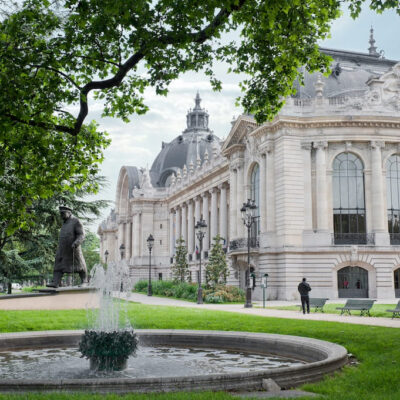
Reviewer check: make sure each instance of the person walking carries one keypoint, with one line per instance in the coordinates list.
(304, 288)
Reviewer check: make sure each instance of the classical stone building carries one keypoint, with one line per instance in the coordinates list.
(325, 175)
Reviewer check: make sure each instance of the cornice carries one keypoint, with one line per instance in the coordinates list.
(318, 122)
(233, 149)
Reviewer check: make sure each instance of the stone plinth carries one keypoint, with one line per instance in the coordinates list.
(52, 299)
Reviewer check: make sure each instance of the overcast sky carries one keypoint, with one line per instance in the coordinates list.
(139, 142)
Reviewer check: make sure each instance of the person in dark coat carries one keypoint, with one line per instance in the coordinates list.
(69, 256)
(304, 288)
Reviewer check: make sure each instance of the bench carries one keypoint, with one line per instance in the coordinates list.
(396, 311)
(317, 303)
(358, 305)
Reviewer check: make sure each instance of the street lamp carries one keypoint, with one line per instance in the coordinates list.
(248, 217)
(200, 228)
(150, 243)
(106, 253)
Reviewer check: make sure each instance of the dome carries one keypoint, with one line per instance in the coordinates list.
(191, 145)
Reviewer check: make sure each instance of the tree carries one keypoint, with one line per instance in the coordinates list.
(31, 250)
(180, 270)
(217, 268)
(57, 54)
(13, 266)
(91, 250)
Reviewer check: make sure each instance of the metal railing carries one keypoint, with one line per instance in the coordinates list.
(241, 243)
(353, 238)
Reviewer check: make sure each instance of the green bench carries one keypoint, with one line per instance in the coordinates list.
(396, 311)
(358, 305)
(316, 303)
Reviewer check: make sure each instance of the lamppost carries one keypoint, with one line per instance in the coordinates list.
(150, 243)
(248, 211)
(200, 228)
(122, 251)
(106, 253)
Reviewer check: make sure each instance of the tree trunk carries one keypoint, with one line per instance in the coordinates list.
(8, 287)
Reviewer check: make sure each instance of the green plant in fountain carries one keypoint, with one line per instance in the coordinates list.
(108, 351)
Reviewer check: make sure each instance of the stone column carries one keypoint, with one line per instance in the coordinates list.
(197, 217)
(321, 187)
(240, 199)
(184, 224)
(223, 210)
(379, 225)
(178, 224)
(306, 147)
(232, 203)
(135, 235)
(190, 228)
(128, 240)
(263, 193)
(171, 233)
(214, 215)
(270, 187)
(206, 240)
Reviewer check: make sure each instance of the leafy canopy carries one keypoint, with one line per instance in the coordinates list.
(54, 55)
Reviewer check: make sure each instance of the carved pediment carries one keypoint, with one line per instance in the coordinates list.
(243, 126)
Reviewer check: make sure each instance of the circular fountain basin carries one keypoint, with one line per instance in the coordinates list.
(305, 360)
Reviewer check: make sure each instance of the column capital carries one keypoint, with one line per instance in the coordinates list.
(213, 190)
(377, 144)
(237, 164)
(223, 185)
(321, 145)
(306, 145)
(204, 194)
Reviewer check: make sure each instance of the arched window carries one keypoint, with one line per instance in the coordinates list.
(255, 195)
(393, 197)
(348, 200)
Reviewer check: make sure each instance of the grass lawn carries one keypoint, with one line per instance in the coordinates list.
(376, 348)
(377, 310)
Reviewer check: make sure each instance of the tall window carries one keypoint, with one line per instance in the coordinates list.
(255, 195)
(393, 197)
(348, 200)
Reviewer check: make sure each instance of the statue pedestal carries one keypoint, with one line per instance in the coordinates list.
(63, 298)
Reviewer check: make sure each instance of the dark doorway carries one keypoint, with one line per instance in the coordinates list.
(353, 282)
(397, 282)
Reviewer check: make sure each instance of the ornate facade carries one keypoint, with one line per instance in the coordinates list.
(325, 175)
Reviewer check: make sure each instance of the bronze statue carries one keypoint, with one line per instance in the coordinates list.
(69, 257)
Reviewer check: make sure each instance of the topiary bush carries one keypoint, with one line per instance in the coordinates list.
(108, 351)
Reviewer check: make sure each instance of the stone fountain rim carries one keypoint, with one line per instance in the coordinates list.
(332, 357)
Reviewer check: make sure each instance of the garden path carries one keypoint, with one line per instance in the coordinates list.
(268, 312)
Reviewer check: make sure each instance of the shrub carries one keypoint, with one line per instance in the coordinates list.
(210, 298)
(184, 290)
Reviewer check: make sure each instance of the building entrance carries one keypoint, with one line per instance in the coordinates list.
(353, 282)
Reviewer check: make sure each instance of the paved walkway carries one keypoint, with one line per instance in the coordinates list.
(267, 312)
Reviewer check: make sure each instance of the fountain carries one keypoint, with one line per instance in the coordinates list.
(166, 360)
(111, 340)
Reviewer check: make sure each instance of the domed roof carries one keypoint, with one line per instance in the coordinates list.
(189, 147)
(350, 72)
